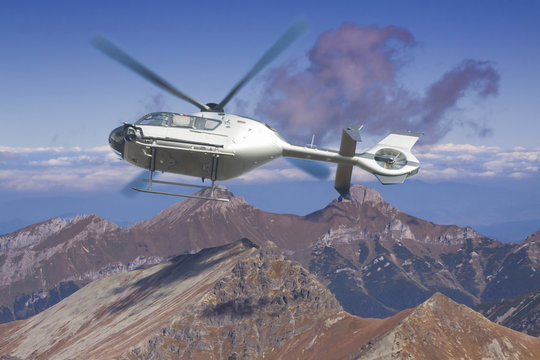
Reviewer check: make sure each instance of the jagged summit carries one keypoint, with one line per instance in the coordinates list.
(191, 208)
(362, 194)
(36, 233)
(535, 237)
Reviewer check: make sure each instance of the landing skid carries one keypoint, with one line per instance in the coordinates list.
(150, 181)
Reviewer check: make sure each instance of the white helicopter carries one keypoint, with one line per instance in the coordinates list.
(212, 144)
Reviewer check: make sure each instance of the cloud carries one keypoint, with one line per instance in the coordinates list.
(351, 77)
(63, 169)
(7, 155)
(439, 162)
(454, 161)
(79, 160)
(53, 149)
(99, 169)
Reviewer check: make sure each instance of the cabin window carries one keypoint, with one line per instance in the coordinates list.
(194, 122)
(206, 124)
(182, 120)
(177, 120)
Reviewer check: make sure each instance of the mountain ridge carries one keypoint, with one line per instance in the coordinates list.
(244, 301)
(367, 252)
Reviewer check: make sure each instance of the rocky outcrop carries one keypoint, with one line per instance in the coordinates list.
(264, 302)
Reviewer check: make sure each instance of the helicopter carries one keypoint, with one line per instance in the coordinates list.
(215, 145)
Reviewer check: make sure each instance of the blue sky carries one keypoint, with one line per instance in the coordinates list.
(59, 97)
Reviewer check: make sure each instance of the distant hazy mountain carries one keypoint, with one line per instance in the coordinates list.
(376, 259)
(242, 301)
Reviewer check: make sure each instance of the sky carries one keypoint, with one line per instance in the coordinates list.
(466, 74)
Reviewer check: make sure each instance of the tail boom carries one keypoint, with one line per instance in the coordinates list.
(391, 160)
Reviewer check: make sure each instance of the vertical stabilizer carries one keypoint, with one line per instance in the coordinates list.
(349, 138)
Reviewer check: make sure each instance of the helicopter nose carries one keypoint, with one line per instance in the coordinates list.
(116, 140)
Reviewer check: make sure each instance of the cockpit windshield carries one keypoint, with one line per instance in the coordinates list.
(177, 120)
(156, 119)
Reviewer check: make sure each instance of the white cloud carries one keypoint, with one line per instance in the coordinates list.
(77, 169)
(451, 148)
(54, 149)
(444, 161)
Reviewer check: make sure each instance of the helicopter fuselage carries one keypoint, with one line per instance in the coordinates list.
(207, 145)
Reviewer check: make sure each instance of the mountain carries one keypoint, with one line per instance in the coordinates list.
(232, 301)
(376, 259)
(244, 301)
(443, 329)
(521, 313)
(46, 262)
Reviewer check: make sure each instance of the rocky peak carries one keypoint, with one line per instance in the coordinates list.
(440, 328)
(31, 234)
(362, 194)
(190, 208)
(40, 232)
(264, 302)
(535, 237)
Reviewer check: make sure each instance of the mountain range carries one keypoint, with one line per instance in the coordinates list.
(246, 301)
(375, 259)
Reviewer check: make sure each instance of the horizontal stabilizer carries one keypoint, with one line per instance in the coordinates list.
(403, 140)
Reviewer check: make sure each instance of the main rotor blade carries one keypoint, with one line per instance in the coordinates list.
(311, 167)
(110, 49)
(137, 182)
(299, 27)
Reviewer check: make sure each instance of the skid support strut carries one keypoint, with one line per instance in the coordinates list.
(150, 181)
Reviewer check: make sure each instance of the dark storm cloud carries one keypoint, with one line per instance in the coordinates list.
(351, 78)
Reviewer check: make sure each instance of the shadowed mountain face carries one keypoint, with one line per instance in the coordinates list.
(242, 301)
(374, 258)
(521, 313)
